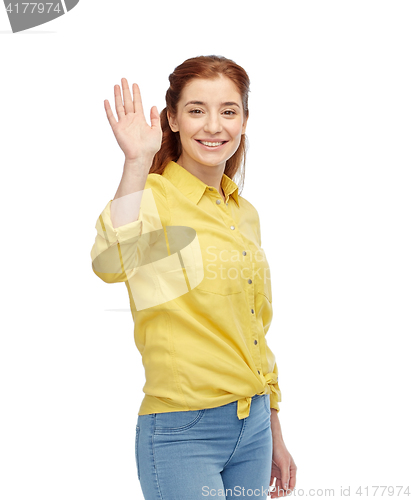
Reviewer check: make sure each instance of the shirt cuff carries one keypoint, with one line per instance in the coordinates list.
(128, 232)
(275, 394)
(117, 252)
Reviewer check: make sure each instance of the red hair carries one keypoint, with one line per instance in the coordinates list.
(201, 67)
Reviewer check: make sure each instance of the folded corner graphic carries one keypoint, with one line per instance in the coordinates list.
(25, 15)
(159, 263)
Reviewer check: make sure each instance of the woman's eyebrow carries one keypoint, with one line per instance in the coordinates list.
(201, 103)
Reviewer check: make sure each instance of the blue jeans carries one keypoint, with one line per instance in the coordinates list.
(191, 455)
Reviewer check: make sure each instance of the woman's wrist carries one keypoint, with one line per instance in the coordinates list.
(275, 425)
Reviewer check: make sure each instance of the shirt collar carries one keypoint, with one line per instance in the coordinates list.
(192, 187)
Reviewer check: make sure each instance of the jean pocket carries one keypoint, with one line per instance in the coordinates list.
(267, 402)
(176, 421)
(137, 451)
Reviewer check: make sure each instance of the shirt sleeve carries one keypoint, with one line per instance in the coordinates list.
(275, 395)
(258, 229)
(118, 252)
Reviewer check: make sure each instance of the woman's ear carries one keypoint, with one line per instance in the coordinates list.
(172, 123)
(244, 126)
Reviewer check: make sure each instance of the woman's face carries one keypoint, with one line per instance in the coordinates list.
(209, 111)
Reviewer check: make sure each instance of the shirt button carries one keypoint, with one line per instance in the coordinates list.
(255, 342)
(232, 227)
(259, 372)
(252, 311)
(227, 203)
(244, 253)
(249, 281)
(218, 202)
(210, 189)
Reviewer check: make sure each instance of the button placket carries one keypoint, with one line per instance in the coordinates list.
(251, 300)
(218, 201)
(254, 329)
(234, 243)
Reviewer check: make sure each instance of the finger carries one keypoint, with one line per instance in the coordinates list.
(137, 100)
(285, 475)
(277, 491)
(118, 102)
(109, 114)
(292, 481)
(127, 97)
(279, 487)
(272, 476)
(276, 487)
(272, 487)
(154, 117)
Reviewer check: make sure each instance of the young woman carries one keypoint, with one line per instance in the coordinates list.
(188, 247)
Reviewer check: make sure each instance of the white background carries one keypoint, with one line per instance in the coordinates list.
(329, 170)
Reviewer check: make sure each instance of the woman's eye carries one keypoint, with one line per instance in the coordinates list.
(228, 112)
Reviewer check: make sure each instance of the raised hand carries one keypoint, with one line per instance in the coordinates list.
(137, 139)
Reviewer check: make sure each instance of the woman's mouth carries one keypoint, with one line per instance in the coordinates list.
(211, 146)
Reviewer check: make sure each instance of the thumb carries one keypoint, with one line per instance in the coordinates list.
(154, 117)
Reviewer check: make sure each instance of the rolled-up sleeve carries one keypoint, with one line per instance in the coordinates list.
(275, 393)
(118, 252)
(115, 249)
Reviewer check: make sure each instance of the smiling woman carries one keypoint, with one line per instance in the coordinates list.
(188, 247)
(212, 92)
(210, 130)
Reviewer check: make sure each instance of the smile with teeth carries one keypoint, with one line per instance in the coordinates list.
(212, 144)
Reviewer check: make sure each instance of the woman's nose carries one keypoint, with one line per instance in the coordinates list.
(213, 124)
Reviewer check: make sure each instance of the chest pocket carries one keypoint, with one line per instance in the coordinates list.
(222, 271)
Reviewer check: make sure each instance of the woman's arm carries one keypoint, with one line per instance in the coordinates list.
(275, 425)
(139, 143)
(283, 466)
(125, 205)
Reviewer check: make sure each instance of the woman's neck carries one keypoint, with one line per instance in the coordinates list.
(210, 175)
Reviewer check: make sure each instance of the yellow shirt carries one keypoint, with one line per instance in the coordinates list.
(200, 293)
